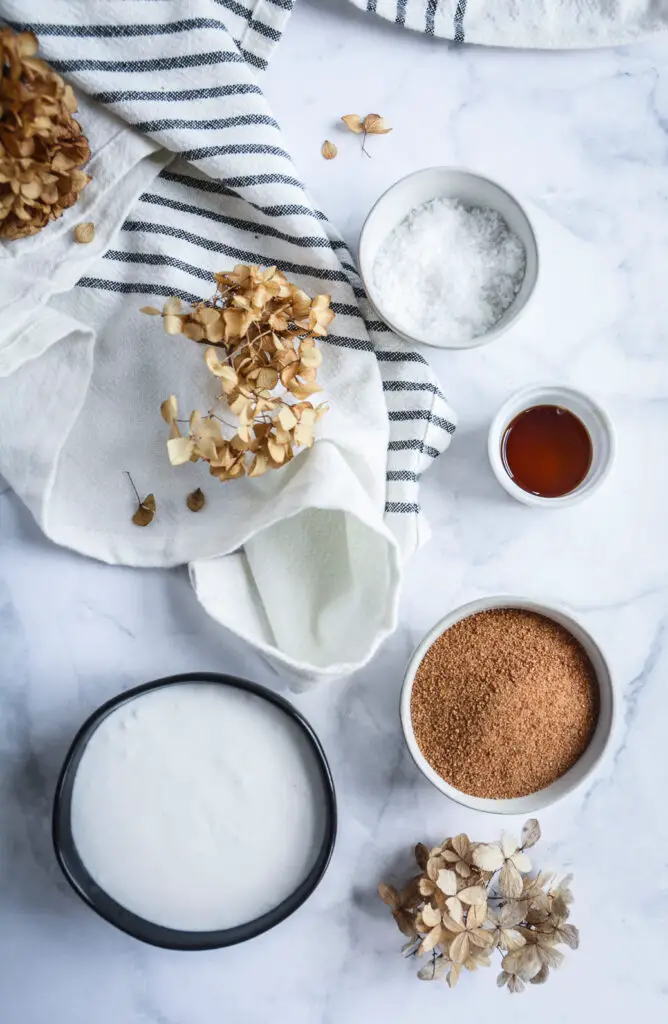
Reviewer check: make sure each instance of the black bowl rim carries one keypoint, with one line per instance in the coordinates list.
(146, 931)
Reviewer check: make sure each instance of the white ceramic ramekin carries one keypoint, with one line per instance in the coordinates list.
(578, 773)
(595, 419)
(472, 190)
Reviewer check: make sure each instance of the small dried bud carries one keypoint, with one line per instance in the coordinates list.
(145, 511)
(84, 233)
(196, 500)
(328, 150)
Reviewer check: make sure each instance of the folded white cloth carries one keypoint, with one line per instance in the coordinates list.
(189, 177)
(541, 24)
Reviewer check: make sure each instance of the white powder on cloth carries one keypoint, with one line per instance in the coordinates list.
(198, 806)
(449, 269)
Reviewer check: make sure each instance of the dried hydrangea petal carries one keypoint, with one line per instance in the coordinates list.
(83, 233)
(353, 122)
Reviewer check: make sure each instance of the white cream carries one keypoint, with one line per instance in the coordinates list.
(198, 806)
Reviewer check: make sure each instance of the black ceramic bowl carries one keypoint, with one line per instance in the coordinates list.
(170, 938)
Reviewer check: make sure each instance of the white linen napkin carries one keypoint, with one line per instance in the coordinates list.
(539, 24)
(190, 177)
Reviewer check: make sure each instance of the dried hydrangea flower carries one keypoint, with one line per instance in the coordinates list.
(261, 333)
(372, 124)
(42, 147)
(446, 912)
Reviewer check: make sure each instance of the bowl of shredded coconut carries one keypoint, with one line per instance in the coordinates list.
(195, 812)
(448, 258)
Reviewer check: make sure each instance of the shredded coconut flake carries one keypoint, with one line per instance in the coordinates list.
(449, 269)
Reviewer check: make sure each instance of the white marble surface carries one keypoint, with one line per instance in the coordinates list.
(584, 136)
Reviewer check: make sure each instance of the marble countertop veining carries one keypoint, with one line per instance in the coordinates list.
(584, 136)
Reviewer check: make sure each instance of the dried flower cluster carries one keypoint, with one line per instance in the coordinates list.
(372, 124)
(261, 332)
(42, 147)
(473, 898)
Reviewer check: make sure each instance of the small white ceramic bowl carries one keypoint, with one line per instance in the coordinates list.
(472, 190)
(578, 773)
(595, 419)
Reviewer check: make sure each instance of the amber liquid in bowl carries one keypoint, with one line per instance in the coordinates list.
(547, 451)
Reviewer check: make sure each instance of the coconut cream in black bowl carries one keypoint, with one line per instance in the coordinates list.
(195, 812)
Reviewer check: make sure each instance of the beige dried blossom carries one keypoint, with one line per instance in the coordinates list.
(84, 233)
(328, 150)
(507, 856)
(42, 147)
(372, 124)
(458, 854)
(446, 912)
(261, 334)
(402, 904)
(504, 924)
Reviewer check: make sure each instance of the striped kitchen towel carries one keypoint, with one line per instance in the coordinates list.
(190, 176)
(540, 24)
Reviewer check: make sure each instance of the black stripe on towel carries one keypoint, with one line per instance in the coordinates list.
(43, 29)
(176, 95)
(400, 357)
(186, 60)
(223, 185)
(371, 6)
(402, 474)
(430, 16)
(407, 415)
(402, 507)
(459, 21)
(234, 149)
(213, 124)
(157, 259)
(413, 446)
(305, 241)
(137, 288)
(411, 385)
(401, 12)
(257, 62)
(258, 26)
(244, 255)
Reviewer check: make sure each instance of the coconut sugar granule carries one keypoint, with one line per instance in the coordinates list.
(449, 269)
(503, 703)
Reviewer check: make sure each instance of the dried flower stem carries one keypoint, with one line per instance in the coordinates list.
(146, 508)
(133, 485)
